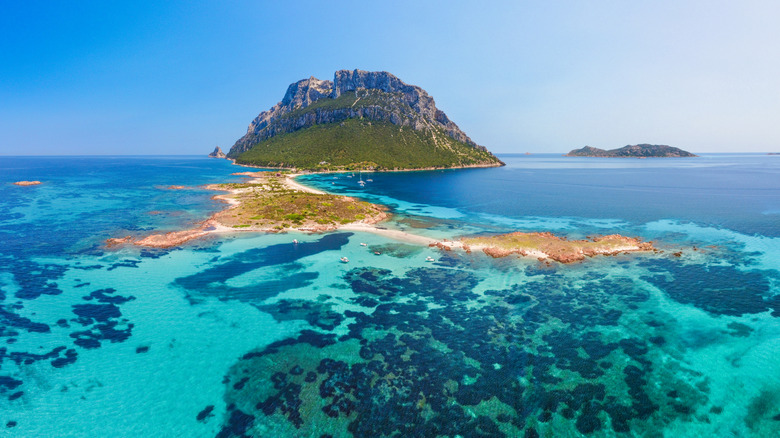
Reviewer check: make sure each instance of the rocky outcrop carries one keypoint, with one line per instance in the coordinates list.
(545, 245)
(632, 151)
(391, 99)
(217, 153)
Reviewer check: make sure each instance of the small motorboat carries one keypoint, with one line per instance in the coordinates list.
(363, 244)
(377, 253)
(344, 260)
(429, 259)
(295, 241)
(370, 180)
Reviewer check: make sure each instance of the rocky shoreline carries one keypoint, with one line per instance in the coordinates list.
(546, 245)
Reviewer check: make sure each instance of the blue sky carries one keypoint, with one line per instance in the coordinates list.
(148, 77)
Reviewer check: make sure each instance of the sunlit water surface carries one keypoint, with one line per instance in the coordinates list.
(250, 334)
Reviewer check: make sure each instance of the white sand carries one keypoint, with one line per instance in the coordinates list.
(290, 182)
(392, 234)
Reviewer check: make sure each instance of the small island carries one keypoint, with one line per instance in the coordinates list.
(27, 183)
(217, 153)
(632, 151)
(270, 202)
(547, 245)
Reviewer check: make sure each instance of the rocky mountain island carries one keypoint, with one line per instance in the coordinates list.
(632, 151)
(360, 120)
(217, 153)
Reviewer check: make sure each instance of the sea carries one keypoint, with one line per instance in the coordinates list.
(252, 334)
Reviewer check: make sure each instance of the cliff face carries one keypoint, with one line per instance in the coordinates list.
(632, 151)
(374, 96)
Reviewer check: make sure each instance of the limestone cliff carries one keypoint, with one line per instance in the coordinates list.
(367, 96)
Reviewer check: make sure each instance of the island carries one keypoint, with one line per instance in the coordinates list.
(632, 151)
(273, 202)
(27, 183)
(360, 120)
(217, 153)
(270, 202)
(547, 245)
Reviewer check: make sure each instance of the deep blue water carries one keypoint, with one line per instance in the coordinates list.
(251, 335)
(738, 192)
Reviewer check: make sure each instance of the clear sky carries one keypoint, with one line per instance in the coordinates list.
(151, 77)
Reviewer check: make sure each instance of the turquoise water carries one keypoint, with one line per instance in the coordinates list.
(250, 334)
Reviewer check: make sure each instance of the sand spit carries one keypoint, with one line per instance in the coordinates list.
(246, 202)
(27, 183)
(243, 204)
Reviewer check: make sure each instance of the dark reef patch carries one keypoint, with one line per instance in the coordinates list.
(237, 425)
(398, 250)
(205, 413)
(318, 314)
(213, 281)
(33, 279)
(435, 358)
(25, 358)
(721, 290)
(9, 320)
(9, 382)
(126, 263)
(69, 358)
(106, 296)
(103, 321)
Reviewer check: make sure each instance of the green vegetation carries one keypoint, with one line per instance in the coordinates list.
(361, 144)
(538, 241)
(268, 204)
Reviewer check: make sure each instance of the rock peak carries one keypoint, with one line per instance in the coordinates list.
(351, 80)
(217, 153)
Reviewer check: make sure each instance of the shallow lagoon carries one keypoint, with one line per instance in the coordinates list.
(251, 334)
